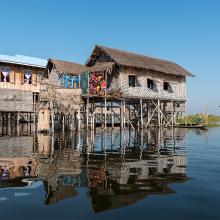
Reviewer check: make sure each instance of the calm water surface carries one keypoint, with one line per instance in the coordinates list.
(153, 174)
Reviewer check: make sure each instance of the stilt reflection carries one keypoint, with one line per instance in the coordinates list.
(119, 167)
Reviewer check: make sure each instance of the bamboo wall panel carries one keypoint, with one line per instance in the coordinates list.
(176, 90)
(16, 100)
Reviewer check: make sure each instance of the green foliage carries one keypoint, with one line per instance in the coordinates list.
(209, 120)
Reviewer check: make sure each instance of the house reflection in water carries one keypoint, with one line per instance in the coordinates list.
(118, 167)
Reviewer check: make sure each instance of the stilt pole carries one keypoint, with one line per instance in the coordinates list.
(105, 112)
(124, 115)
(121, 116)
(87, 113)
(158, 112)
(141, 104)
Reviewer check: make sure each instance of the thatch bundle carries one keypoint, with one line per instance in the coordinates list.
(115, 93)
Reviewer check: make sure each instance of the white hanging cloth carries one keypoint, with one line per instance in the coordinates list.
(5, 74)
(27, 77)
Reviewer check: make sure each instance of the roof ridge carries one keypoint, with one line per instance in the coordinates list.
(64, 61)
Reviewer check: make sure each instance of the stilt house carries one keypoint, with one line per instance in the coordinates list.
(64, 79)
(60, 94)
(20, 82)
(152, 88)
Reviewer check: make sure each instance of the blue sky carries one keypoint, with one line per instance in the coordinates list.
(184, 31)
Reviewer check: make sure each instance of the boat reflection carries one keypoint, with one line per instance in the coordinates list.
(119, 167)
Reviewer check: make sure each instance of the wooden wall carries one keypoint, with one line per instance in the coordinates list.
(16, 78)
(16, 95)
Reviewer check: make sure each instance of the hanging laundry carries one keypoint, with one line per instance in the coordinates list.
(97, 84)
(27, 76)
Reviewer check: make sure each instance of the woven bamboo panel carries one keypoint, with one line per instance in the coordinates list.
(176, 85)
(16, 100)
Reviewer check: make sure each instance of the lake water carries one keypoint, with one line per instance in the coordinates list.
(152, 174)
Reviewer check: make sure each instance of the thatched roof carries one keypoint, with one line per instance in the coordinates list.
(66, 67)
(128, 59)
(99, 67)
(75, 68)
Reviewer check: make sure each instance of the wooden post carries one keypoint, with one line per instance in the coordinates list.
(79, 119)
(141, 104)
(74, 121)
(52, 144)
(18, 118)
(121, 116)
(112, 139)
(172, 115)
(63, 123)
(148, 111)
(91, 122)
(87, 113)
(158, 112)
(92, 115)
(67, 122)
(105, 99)
(105, 112)
(101, 116)
(78, 132)
(129, 116)
(112, 114)
(8, 124)
(52, 117)
(124, 116)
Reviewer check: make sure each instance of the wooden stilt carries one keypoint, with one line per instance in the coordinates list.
(87, 113)
(79, 119)
(52, 117)
(105, 113)
(112, 115)
(121, 116)
(63, 123)
(141, 109)
(124, 115)
(158, 112)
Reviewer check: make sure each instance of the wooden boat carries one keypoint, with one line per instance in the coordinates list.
(193, 125)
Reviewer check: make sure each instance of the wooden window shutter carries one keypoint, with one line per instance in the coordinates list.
(22, 77)
(34, 79)
(12, 77)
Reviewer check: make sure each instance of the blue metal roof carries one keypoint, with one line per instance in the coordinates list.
(23, 60)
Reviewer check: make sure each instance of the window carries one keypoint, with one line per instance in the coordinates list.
(131, 81)
(178, 105)
(41, 75)
(5, 71)
(150, 83)
(27, 76)
(165, 86)
(36, 97)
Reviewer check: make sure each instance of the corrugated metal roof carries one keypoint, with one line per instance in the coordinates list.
(23, 60)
